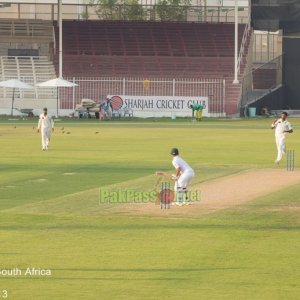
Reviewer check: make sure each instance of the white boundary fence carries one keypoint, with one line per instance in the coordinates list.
(98, 89)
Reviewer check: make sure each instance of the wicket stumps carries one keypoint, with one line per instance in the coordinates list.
(290, 160)
(165, 195)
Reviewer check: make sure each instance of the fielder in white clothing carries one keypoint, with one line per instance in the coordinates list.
(282, 126)
(183, 176)
(46, 125)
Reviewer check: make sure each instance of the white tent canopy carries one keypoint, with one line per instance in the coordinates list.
(14, 84)
(56, 83)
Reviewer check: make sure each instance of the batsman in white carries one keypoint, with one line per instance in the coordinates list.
(183, 176)
(282, 126)
(46, 125)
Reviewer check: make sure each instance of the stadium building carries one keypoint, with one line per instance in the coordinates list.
(212, 49)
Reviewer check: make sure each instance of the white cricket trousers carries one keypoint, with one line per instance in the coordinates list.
(181, 184)
(46, 135)
(280, 143)
(185, 178)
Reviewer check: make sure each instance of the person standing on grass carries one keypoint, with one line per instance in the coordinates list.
(183, 176)
(46, 126)
(282, 126)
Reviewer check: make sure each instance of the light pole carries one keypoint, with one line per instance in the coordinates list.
(236, 39)
(60, 38)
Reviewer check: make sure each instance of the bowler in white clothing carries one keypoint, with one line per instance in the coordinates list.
(183, 176)
(46, 126)
(282, 126)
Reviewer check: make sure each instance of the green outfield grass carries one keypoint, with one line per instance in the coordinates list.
(50, 217)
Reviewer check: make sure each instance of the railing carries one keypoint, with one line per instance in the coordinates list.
(266, 46)
(261, 80)
(26, 73)
(146, 12)
(98, 88)
(25, 28)
(244, 44)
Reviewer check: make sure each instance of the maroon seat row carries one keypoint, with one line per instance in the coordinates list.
(148, 38)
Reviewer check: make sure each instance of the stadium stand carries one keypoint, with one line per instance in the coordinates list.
(152, 49)
(25, 30)
(94, 48)
(124, 38)
(31, 70)
(25, 55)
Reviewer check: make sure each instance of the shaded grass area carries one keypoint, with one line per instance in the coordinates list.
(246, 252)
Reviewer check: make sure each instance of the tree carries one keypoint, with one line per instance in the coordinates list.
(106, 9)
(133, 10)
(172, 10)
(116, 10)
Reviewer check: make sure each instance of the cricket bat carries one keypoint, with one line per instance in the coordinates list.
(161, 173)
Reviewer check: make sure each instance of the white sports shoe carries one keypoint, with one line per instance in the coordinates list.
(179, 203)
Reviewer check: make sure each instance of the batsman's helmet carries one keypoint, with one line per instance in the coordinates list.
(174, 151)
